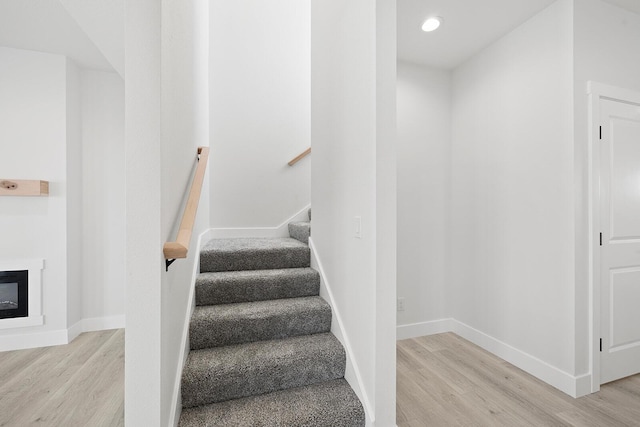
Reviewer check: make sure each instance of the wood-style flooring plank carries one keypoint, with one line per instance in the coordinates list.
(89, 385)
(444, 380)
(15, 362)
(79, 384)
(34, 385)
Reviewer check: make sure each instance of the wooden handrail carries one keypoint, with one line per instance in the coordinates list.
(300, 156)
(179, 248)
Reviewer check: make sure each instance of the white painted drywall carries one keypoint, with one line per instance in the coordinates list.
(103, 195)
(74, 218)
(386, 234)
(53, 123)
(353, 175)
(512, 233)
(185, 127)
(606, 51)
(144, 263)
(259, 111)
(166, 119)
(424, 141)
(33, 144)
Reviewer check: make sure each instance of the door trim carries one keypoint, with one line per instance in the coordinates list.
(598, 92)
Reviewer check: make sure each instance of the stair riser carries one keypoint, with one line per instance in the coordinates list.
(330, 404)
(261, 349)
(219, 385)
(204, 334)
(300, 231)
(232, 288)
(255, 260)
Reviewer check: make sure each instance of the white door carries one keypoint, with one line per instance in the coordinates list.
(620, 251)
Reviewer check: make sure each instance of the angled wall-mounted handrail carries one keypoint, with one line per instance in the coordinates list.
(180, 247)
(300, 156)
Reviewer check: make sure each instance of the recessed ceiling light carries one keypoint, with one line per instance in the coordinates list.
(431, 24)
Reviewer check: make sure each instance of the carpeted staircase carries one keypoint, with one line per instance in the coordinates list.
(262, 353)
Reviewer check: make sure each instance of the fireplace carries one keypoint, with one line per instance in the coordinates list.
(14, 298)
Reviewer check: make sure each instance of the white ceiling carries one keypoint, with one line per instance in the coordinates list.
(630, 5)
(103, 22)
(45, 26)
(469, 26)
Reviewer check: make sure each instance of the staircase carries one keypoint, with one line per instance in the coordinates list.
(262, 353)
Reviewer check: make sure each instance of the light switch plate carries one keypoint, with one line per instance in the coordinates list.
(357, 225)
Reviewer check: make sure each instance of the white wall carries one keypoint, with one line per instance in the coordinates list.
(144, 263)
(606, 51)
(424, 141)
(166, 112)
(259, 111)
(61, 121)
(74, 195)
(519, 181)
(33, 142)
(185, 127)
(512, 214)
(386, 214)
(353, 175)
(103, 198)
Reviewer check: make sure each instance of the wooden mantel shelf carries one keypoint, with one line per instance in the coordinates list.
(18, 187)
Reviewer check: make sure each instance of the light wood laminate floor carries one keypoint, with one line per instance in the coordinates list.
(79, 384)
(444, 380)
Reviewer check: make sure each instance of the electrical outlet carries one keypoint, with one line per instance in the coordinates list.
(400, 304)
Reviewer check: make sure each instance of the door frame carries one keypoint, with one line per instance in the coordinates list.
(598, 92)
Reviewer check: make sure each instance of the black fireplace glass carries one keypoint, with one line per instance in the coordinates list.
(14, 286)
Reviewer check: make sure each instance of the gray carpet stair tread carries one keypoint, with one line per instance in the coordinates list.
(300, 231)
(327, 404)
(227, 287)
(226, 324)
(253, 254)
(262, 353)
(231, 372)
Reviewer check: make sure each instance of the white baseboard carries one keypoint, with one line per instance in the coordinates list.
(73, 331)
(93, 324)
(24, 341)
(352, 373)
(38, 339)
(574, 386)
(551, 375)
(103, 323)
(422, 329)
(281, 230)
(176, 409)
(583, 385)
(22, 322)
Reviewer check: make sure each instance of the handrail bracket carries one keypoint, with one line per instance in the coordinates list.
(180, 248)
